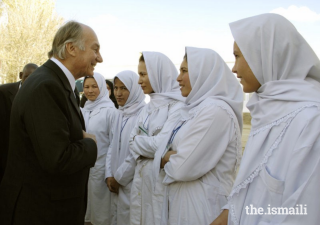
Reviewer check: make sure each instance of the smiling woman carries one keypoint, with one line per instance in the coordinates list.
(91, 89)
(200, 160)
(183, 78)
(99, 114)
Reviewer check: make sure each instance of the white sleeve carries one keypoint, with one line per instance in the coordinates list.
(108, 171)
(202, 147)
(125, 172)
(133, 135)
(147, 146)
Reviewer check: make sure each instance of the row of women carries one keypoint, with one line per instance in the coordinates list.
(175, 160)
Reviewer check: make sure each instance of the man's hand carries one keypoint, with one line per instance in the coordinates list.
(166, 158)
(222, 219)
(87, 135)
(113, 185)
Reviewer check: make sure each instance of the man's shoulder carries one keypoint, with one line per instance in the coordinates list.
(47, 67)
(39, 79)
(9, 86)
(48, 72)
(41, 83)
(45, 74)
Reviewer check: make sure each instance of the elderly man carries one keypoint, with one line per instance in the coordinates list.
(7, 94)
(50, 154)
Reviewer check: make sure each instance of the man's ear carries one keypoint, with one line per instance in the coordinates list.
(20, 75)
(71, 49)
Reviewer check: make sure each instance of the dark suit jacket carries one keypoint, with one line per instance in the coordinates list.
(7, 94)
(45, 181)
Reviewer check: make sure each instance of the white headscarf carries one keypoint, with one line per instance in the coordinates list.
(163, 79)
(210, 77)
(282, 61)
(102, 101)
(136, 97)
(132, 107)
(289, 73)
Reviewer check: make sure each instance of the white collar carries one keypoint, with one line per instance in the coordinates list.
(68, 74)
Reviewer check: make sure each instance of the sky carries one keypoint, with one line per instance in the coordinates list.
(125, 27)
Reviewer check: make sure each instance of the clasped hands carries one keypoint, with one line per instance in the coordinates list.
(112, 184)
(222, 219)
(166, 158)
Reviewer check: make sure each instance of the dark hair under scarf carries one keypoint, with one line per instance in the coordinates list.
(112, 97)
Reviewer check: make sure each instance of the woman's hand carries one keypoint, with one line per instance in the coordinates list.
(166, 158)
(222, 219)
(113, 185)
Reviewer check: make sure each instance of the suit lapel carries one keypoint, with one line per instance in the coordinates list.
(82, 122)
(73, 99)
(76, 93)
(75, 102)
(64, 80)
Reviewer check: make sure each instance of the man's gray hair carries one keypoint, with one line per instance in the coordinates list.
(69, 32)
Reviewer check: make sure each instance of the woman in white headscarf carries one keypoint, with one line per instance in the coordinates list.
(205, 146)
(279, 173)
(120, 163)
(99, 114)
(151, 133)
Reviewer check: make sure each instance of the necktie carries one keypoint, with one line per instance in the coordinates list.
(76, 93)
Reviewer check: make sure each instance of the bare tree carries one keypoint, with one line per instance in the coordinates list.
(27, 28)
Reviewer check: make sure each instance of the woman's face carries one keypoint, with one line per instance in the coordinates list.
(144, 79)
(120, 92)
(109, 89)
(91, 89)
(244, 73)
(183, 79)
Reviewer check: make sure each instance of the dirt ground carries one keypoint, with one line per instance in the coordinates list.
(246, 128)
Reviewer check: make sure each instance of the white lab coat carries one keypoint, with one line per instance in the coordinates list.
(289, 178)
(147, 196)
(125, 164)
(98, 208)
(200, 176)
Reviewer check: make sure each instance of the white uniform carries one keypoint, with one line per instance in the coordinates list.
(99, 116)
(99, 197)
(279, 172)
(150, 135)
(290, 178)
(146, 197)
(125, 163)
(201, 174)
(207, 140)
(120, 163)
